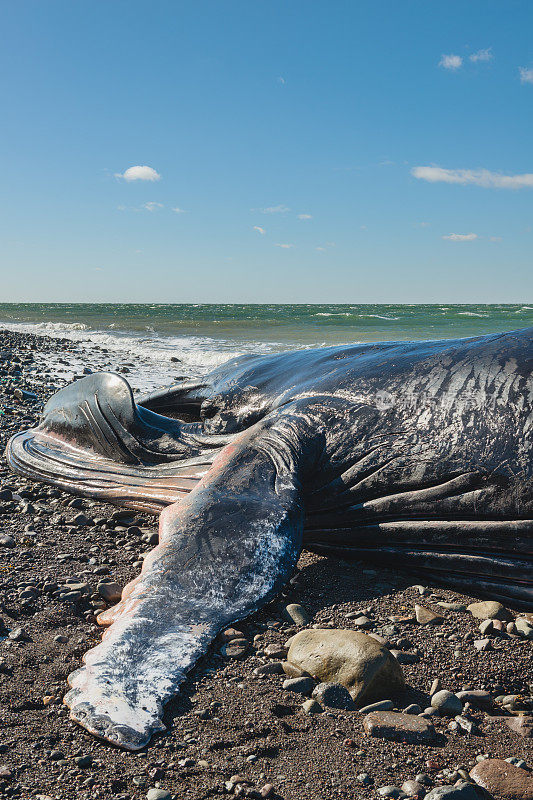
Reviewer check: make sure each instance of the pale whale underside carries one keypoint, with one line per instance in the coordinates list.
(415, 455)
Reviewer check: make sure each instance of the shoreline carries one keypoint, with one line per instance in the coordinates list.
(228, 721)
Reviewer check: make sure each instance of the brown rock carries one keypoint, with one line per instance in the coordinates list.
(503, 780)
(237, 648)
(397, 727)
(489, 609)
(351, 658)
(425, 616)
(111, 592)
(523, 726)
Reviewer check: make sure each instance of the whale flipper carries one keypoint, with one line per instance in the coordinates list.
(224, 551)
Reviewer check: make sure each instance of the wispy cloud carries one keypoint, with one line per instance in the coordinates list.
(139, 173)
(285, 246)
(178, 210)
(259, 229)
(281, 80)
(495, 238)
(151, 205)
(526, 74)
(305, 216)
(475, 177)
(451, 61)
(281, 209)
(482, 55)
(460, 237)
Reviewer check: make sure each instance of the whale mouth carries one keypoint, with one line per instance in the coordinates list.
(41, 456)
(93, 440)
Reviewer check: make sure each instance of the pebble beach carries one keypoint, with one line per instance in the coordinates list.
(247, 723)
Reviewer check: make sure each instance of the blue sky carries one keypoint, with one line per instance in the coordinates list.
(316, 151)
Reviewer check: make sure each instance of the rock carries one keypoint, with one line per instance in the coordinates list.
(413, 789)
(399, 727)
(503, 780)
(489, 609)
(267, 790)
(350, 658)
(381, 705)
(477, 698)
(270, 668)
(486, 627)
(425, 616)
(300, 685)
(296, 614)
(447, 703)
(524, 627)
(436, 686)
(312, 707)
(275, 651)
(237, 648)
(460, 791)
(111, 592)
(81, 521)
(231, 633)
(391, 791)
(405, 658)
(483, 645)
(158, 794)
(413, 708)
(523, 726)
(333, 695)
(292, 671)
(6, 541)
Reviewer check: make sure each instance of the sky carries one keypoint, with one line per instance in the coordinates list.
(266, 151)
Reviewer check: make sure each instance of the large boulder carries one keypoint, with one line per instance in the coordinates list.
(350, 658)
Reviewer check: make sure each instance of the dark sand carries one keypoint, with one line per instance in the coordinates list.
(252, 727)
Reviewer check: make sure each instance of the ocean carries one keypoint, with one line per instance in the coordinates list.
(202, 336)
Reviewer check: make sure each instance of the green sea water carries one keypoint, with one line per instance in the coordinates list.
(204, 335)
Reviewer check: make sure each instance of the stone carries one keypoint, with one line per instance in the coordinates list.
(413, 708)
(523, 726)
(231, 633)
(391, 791)
(350, 658)
(397, 727)
(312, 707)
(270, 668)
(381, 705)
(158, 794)
(296, 614)
(477, 698)
(413, 789)
(405, 658)
(524, 627)
(489, 609)
(333, 695)
(503, 780)
(460, 791)
(425, 616)
(237, 648)
(292, 671)
(300, 685)
(447, 703)
(111, 592)
(483, 645)
(6, 540)
(82, 521)
(486, 627)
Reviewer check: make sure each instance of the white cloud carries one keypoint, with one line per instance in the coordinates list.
(259, 229)
(495, 238)
(526, 74)
(178, 210)
(285, 246)
(305, 216)
(322, 249)
(461, 237)
(281, 209)
(482, 55)
(451, 61)
(282, 80)
(151, 205)
(476, 177)
(139, 174)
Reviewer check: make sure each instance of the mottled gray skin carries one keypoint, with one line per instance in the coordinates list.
(410, 454)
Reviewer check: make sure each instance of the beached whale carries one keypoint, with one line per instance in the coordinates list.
(414, 455)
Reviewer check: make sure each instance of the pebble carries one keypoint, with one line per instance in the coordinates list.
(296, 614)
(503, 780)
(460, 791)
(413, 708)
(489, 609)
(524, 628)
(237, 648)
(447, 703)
(382, 705)
(109, 591)
(413, 789)
(312, 707)
(300, 685)
(483, 645)
(333, 695)
(391, 791)
(523, 726)
(425, 616)
(478, 698)
(399, 727)
(158, 794)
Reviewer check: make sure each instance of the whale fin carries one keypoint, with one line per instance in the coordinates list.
(224, 551)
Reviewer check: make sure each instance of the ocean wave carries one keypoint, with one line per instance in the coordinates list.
(472, 314)
(50, 328)
(380, 316)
